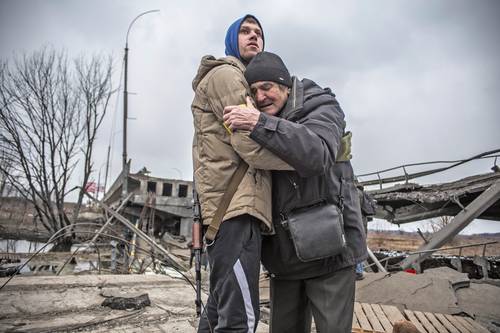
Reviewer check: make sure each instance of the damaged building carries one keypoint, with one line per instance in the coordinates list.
(165, 204)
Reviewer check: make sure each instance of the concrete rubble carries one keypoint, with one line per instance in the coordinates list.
(70, 303)
(482, 300)
(439, 290)
(74, 303)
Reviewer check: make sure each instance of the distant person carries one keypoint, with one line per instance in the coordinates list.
(367, 211)
(304, 125)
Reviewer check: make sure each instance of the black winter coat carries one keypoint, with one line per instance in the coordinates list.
(307, 135)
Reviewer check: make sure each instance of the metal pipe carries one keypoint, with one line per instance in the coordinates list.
(375, 260)
(407, 177)
(92, 241)
(170, 259)
(452, 247)
(98, 233)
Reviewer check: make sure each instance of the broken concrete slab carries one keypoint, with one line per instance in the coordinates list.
(371, 277)
(74, 281)
(71, 321)
(125, 303)
(458, 280)
(483, 263)
(74, 302)
(70, 303)
(31, 302)
(482, 302)
(39, 295)
(440, 290)
(409, 291)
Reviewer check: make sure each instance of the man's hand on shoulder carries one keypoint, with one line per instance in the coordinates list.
(243, 117)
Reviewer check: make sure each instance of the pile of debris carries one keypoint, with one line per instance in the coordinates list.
(70, 303)
(440, 290)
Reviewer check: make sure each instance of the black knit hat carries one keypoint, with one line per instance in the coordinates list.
(267, 66)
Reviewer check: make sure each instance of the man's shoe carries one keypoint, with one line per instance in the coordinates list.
(359, 276)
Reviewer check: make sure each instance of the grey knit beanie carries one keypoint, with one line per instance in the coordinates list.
(267, 66)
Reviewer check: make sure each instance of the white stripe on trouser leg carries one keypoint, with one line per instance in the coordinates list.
(245, 291)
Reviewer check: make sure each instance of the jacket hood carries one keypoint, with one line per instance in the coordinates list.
(209, 62)
(302, 93)
(231, 41)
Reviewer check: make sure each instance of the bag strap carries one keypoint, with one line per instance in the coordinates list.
(344, 152)
(235, 181)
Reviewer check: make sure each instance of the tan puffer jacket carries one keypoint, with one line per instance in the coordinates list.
(217, 154)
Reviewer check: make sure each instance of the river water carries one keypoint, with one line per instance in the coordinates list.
(21, 246)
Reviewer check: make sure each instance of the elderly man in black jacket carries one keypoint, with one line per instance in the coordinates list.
(303, 124)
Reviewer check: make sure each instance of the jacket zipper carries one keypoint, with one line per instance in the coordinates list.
(283, 215)
(341, 207)
(341, 195)
(284, 220)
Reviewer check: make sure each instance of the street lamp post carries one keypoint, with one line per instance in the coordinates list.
(99, 181)
(125, 170)
(179, 171)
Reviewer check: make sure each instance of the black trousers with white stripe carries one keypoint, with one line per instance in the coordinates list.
(234, 257)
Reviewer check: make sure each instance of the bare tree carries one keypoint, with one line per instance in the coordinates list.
(95, 89)
(5, 169)
(440, 223)
(45, 107)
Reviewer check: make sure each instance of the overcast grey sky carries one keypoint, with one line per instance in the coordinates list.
(417, 80)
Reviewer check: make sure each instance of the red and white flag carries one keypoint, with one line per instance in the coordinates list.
(91, 187)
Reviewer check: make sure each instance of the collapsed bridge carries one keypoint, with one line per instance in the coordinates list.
(465, 199)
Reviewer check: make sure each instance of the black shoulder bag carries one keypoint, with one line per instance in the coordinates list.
(317, 231)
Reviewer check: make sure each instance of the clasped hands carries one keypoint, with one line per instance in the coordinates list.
(241, 117)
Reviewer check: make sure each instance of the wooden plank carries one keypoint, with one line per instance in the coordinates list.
(435, 322)
(415, 321)
(476, 325)
(466, 324)
(392, 313)
(363, 321)
(446, 323)
(355, 322)
(360, 330)
(382, 317)
(457, 324)
(372, 318)
(425, 322)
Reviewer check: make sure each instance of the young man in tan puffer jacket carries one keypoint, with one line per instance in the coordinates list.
(234, 255)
